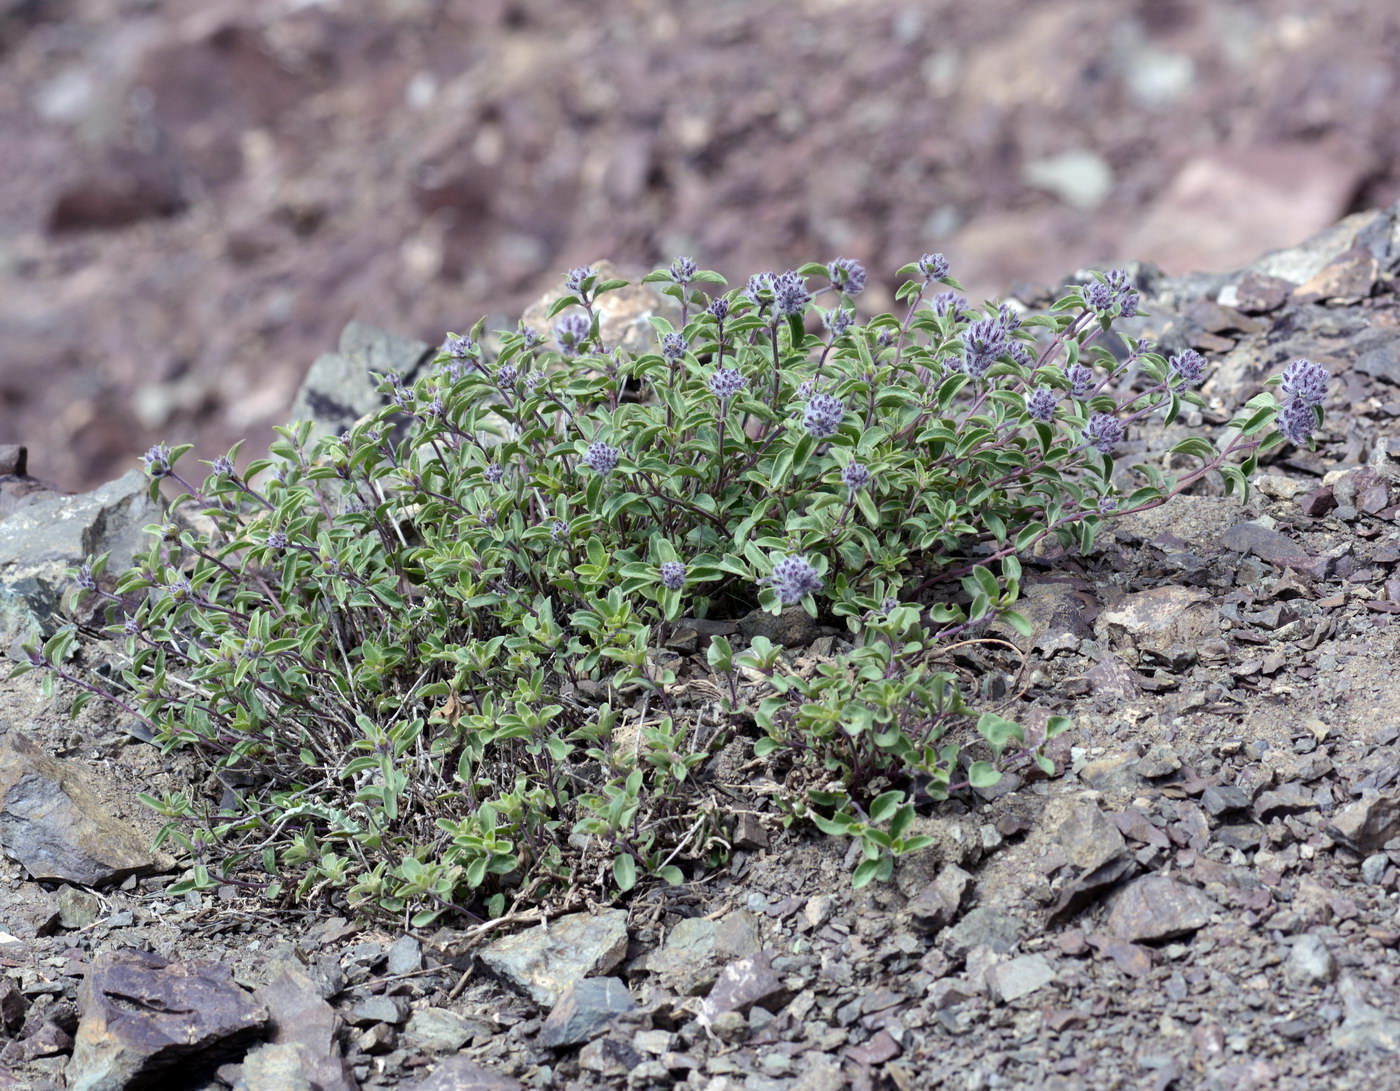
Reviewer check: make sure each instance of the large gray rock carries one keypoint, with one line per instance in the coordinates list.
(544, 962)
(53, 824)
(41, 541)
(142, 1016)
(342, 386)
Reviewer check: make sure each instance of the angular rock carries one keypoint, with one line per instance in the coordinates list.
(53, 824)
(1019, 977)
(1260, 294)
(1366, 1027)
(1155, 907)
(939, 901)
(77, 908)
(1220, 799)
(545, 962)
(142, 1015)
(1089, 837)
(1079, 893)
(1164, 623)
(305, 1030)
(1284, 800)
(378, 1009)
(1368, 823)
(341, 386)
(437, 1030)
(685, 961)
(40, 542)
(584, 1010)
(405, 956)
(461, 1074)
(744, 985)
(983, 926)
(1309, 961)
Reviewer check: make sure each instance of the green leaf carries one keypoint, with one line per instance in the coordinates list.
(982, 774)
(624, 872)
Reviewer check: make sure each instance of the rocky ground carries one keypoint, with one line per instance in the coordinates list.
(1204, 896)
(199, 194)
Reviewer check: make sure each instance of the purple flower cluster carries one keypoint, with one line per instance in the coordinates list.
(822, 417)
(576, 276)
(672, 575)
(494, 473)
(459, 346)
(847, 275)
(1304, 388)
(793, 579)
(1041, 404)
(790, 295)
(572, 332)
(1305, 381)
(601, 457)
(949, 305)
(718, 308)
(726, 382)
(157, 460)
(1115, 290)
(674, 346)
(933, 266)
(1103, 432)
(838, 320)
(1189, 366)
(855, 476)
(1081, 381)
(982, 343)
(1125, 295)
(683, 270)
(759, 289)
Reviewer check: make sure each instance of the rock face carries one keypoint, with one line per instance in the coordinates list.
(142, 1015)
(51, 822)
(42, 540)
(544, 962)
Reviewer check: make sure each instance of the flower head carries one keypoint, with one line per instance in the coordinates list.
(949, 305)
(459, 347)
(790, 295)
(838, 320)
(494, 473)
(572, 332)
(1305, 381)
(674, 346)
(573, 281)
(222, 466)
(1188, 366)
(1081, 381)
(848, 275)
(683, 270)
(759, 289)
(855, 476)
(1125, 295)
(726, 382)
(822, 417)
(793, 579)
(1107, 504)
(1296, 421)
(982, 343)
(85, 578)
(1041, 404)
(1098, 296)
(718, 308)
(1103, 432)
(672, 575)
(601, 458)
(933, 266)
(157, 460)
(276, 539)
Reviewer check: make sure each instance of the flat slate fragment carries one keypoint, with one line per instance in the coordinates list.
(1155, 907)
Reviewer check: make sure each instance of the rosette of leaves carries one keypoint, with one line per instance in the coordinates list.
(420, 660)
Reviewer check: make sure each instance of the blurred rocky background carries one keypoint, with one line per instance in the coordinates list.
(197, 195)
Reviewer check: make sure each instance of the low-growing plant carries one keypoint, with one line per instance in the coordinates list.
(421, 658)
